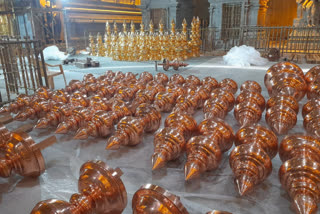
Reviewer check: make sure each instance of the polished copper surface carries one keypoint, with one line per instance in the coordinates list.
(247, 112)
(217, 127)
(186, 123)
(161, 78)
(79, 118)
(218, 212)
(281, 67)
(313, 90)
(21, 102)
(60, 96)
(89, 78)
(142, 96)
(281, 118)
(283, 100)
(260, 135)
(229, 85)
(311, 122)
(250, 165)
(145, 77)
(186, 104)
(246, 96)
(300, 145)
(129, 133)
(23, 156)
(150, 115)
(205, 152)
(101, 191)
(100, 125)
(100, 103)
(313, 103)
(176, 90)
(169, 143)
(5, 134)
(57, 115)
(165, 101)
(74, 85)
(250, 85)
(78, 99)
(312, 74)
(90, 88)
(154, 199)
(210, 82)
(300, 177)
(288, 84)
(36, 110)
(120, 109)
(193, 80)
(216, 108)
(177, 79)
(124, 93)
(106, 91)
(154, 87)
(44, 93)
(227, 95)
(6, 119)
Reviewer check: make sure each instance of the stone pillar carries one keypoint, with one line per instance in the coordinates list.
(253, 11)
(145, 10)
(215, 11)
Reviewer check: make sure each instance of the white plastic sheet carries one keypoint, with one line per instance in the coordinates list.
(244, 56)
(53, 53)
(214, 190)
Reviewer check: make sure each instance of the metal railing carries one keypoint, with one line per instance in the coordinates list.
(287, 39)
(23, 67)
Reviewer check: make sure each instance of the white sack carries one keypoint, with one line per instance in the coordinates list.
(53, 53)
(244, 56)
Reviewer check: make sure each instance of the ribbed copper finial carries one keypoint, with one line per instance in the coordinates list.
(129, 133)
(313, 103)
(78, 99)
(154, 199)
(124, 93)
(229, 85)
(5, 134)
(100, 125)
(281, 118)
(120, 109)
(169, 143)
(58, 114)
(176, 90)
(118, 77)
(101, 191)
(74, 85)
(200, 93)
(165, 101)
(106, 91)
(205, 152)
(313, 90)
(154, 87)
(161, 78)
(247, 113)
(281, 67)
(184, 122)
(193, 80)
(145, 77)
(60, 96)
(300, 145)
(210, 83)
(89, 78)
(142, 96)
(250, 85)
(6, 119)
(246, 96)
(100, 103)
(89, 88)
(79, 118)
(23, 156)
(130, 76)
(300, 177)
(37, 109)
(312, 74)
(250, 165)
(226, 94)
(177, 79)
(288, 84)
(21, 102)
(150, 115)
(283, 100)
(260, 135)
(311, 122)
(44, 93)
(186, 104)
